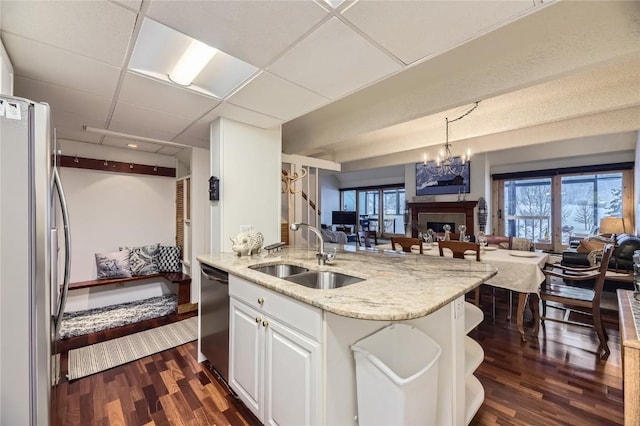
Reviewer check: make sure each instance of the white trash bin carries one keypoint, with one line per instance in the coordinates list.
(397, 377)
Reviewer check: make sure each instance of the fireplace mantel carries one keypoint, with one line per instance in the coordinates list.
(465, 207)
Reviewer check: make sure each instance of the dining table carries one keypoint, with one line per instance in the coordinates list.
(518, 271)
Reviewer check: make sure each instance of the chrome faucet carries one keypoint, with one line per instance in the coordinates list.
(321, 255)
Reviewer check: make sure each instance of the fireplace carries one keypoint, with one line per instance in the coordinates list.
(451, 212)
(438, 226)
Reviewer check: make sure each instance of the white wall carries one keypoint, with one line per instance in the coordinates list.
(200, 220)
(372, 177)
(109, 210)
(6, 72)
(602, 149)
(247, 161)
(330, 196)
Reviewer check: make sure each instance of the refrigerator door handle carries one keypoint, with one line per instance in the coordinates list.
(62, 300)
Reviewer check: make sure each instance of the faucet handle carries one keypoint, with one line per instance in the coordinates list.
(329, 257)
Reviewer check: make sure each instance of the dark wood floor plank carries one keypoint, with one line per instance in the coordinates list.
(114, 413)
(555, 378)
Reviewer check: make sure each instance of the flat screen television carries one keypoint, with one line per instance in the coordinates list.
(343, 218)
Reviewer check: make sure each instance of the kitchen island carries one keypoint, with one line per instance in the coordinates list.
(290, 345)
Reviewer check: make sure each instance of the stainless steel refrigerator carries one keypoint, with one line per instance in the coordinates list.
(32, 296)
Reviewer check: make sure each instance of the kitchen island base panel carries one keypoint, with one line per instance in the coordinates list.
(341, 385)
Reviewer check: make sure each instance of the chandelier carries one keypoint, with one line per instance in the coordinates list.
(446, 163)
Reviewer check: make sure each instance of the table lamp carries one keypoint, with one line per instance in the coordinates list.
(612, 226)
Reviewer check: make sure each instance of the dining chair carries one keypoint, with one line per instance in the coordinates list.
(453, 236)
(459, 248)
(506, 243)
(585, 298)
(364, 238)
(406, 243)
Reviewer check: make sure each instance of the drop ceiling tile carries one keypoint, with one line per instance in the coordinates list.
(241, 115)
(156, 95)
(145, 122)
(432, 27)
(271, 95)
(169, 150)
(201, 129)
(223, 74)
(131, 4)
(69, 126)
(191, 141)
(123, 143)
(44, 63)
(333, 61)
(63, 98)
(97, 29)
(254, 31)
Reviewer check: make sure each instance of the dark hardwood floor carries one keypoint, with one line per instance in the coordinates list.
(554, 379)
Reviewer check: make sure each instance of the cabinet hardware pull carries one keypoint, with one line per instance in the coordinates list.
(265, 323)
(260, 300)
(258, 319)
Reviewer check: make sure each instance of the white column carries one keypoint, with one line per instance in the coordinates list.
(247, 160)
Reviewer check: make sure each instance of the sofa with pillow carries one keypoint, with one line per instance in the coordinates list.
(144, 260)
(337, 237)
(621, 259)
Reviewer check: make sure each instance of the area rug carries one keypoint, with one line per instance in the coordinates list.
(93, 320)
(102, 356)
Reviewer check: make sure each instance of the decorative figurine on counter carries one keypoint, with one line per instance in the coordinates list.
(247, 243)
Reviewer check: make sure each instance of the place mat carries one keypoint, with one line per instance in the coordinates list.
(490, 248)
(523, 253)
(102, 356)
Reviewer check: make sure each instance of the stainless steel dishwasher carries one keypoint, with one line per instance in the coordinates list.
(214, 320)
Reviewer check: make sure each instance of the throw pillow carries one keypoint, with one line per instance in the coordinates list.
(169, 259)
(143, 259)
(113, 265)
(589, 246)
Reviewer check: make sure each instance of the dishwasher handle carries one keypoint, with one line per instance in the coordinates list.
(214, 274)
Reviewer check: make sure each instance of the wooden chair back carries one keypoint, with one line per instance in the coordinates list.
(406, 243)
(454, 236)
(458, 248)
(578, 297)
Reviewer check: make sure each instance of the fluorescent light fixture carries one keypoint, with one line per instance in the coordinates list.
(133, 137)
(193, 60)
(132, 145)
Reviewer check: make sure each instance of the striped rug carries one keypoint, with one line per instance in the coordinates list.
(102, 356)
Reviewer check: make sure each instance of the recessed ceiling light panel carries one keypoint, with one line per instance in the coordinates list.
(168, 55)
(191, 63)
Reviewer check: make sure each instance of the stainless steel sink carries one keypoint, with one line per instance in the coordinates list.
(323, 279)
(280, 270)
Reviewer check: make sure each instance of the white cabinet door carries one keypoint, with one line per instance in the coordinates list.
(292, 377)
(246, 343)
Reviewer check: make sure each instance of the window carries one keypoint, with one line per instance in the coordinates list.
(587, 199)
(381, 209)
(527, 208)
(568, 205)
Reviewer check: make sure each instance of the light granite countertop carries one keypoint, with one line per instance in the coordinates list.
(396, 286)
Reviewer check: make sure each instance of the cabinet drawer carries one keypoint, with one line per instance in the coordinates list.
(299, 315)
